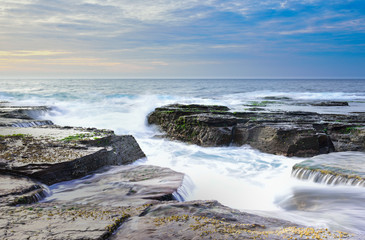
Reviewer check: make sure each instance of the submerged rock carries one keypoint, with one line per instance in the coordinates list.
(342, 168)
(287, 133)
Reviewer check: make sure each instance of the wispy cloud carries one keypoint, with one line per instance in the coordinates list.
(112, 33)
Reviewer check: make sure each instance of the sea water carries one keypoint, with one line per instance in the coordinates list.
(239, 177)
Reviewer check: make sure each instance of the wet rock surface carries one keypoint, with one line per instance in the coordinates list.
(121, 186)
(293, 133)
(348, 168)
(22, 116)
(19, 190)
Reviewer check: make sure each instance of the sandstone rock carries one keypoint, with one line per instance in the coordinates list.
(53, 221)
(20, 190)
(121, 186)
(93, 209)
(209, 220)
(52, 154)
(348, 168)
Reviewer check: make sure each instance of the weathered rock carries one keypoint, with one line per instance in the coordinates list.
(209, 220)
(19, 190)
(52, 154)
(122, 186)
(347, 168)
(89, 209)
(287, 133)
(18, 116)
(59, 221)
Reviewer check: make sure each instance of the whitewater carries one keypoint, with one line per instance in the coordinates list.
(239, 177)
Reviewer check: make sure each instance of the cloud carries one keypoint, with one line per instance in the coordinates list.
(30, 53)
(110, 33)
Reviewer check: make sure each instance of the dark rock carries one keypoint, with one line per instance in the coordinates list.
(277, 98)
(330, 104)
(293, 133)
(23, 116)
(256, 109)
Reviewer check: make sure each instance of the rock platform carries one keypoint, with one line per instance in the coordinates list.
(302, 134)
(110, 199)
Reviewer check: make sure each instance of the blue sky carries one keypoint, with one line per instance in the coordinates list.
(182, 39)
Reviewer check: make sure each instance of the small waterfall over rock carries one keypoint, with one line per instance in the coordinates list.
(33, 123)
(184, 191)
(328, 178)
(343, 168)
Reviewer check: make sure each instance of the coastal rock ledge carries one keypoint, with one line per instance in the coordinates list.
(52, 154)
(302, 134)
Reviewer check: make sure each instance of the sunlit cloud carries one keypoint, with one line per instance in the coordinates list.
(145, 36)
(30, 53)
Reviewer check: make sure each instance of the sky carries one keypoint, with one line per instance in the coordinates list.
(182, 39)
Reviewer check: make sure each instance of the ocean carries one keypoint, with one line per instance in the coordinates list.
(239, 177)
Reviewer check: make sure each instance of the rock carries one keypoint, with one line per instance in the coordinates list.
(346, 168)
(277, 98)
(330, 104)
(52, 154)
(54, 221)
(209, 220)
(22, 116)
(287, 133)
(122, 186)
(20, 190)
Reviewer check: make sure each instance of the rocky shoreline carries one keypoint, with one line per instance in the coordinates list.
(299, 134)
(139, 204)
(302, 134)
